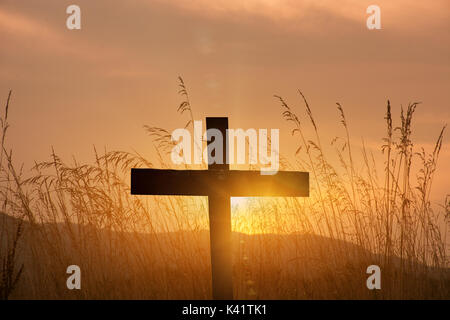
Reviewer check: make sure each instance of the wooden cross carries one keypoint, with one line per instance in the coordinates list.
(219, 183)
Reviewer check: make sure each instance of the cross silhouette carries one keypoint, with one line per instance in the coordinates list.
(219, 184)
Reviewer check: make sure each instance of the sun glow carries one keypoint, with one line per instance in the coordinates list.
(253, 216)
(239, 202)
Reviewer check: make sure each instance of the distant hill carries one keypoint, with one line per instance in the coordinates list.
(176, 265)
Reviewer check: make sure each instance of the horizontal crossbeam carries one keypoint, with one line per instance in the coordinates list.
(233, 183)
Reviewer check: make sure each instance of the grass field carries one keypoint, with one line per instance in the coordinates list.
(131, 247)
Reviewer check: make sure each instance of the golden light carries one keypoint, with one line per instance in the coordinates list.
(239, 202)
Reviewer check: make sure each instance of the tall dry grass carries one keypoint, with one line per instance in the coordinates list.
(157, 248)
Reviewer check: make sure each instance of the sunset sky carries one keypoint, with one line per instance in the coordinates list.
(73, 89)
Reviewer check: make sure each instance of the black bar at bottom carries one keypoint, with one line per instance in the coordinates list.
(274, 309)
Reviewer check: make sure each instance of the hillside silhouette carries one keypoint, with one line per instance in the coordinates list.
(177, 266)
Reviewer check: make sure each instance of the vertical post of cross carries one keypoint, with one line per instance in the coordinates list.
(220, 219)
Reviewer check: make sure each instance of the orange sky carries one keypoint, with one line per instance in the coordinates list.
(101, 84)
